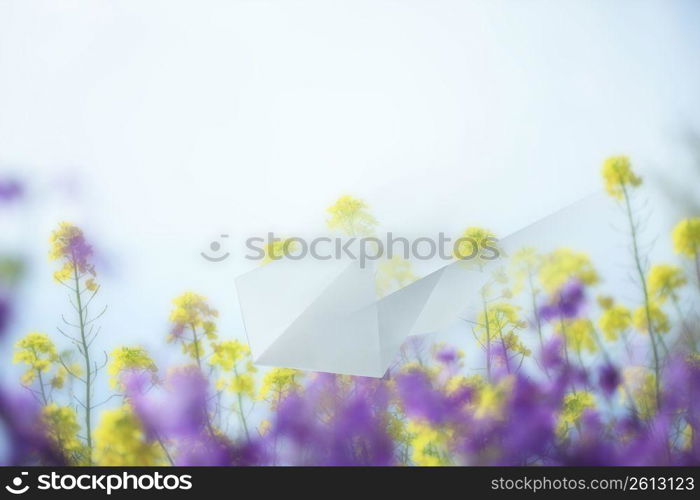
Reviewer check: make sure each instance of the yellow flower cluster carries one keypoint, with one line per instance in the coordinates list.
(664, 281)
(62, 429)
(579, 334)
(192, 310)
(38, 352)
(658, 318)
(351, 216)
(686, 237)
(193, 314)
(641, 384)
(430, 445)
(234, 357)
(129, 358)
(501, 322)
(119, 440)
(62, 246)
(524, 266)
(278, 383)
(393, 274)
(614, 320)
(275, 250)
(473, 240)
(573, 407)
(564, 264)
(618, 176)
(490, 398)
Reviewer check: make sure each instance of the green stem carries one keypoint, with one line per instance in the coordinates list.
(239, 397)
(165, 450)
(195, 342)
(488, 336)
(647, 305)
(41, 386)
(538, 322)
(88, 369)
(692, 345)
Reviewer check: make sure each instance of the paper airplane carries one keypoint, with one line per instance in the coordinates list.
(324, 315)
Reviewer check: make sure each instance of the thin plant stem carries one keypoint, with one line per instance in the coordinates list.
(239, 397)
(488, 335)
(647, 304)
(88, 369)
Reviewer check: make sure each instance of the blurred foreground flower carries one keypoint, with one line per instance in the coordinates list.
(10, 190)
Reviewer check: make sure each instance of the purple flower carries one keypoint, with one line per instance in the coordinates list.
(447, 355)
(608, 379)
(566, 303)
(22, 432)
(336, 422)
(178, 410)
(81, 252)
(552, 354)
(420, 399)
(10, 190)
(4, 314)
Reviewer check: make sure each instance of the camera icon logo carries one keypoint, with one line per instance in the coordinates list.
(16, 488)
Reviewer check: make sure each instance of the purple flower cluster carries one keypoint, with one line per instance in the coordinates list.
(22, 432)
(567, 303)
(336, 421)
(177, 414)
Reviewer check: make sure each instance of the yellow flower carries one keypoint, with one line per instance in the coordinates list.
(574, 406)
(129, 358)
(658, 318)
(264, 427)
(618, 175)
(234, 356)
(243, 384)
(663, 281)
(641, 384)
(579, 334)
(62, 428)
(61, 240)
(351, 216)
(68, 243)
(193, 315)
(279, 382)
(565, 264)
(91, 284)
(191, 310)
(59, 378)
(614, 320)
(276, 250)
(121, 441)
(469, 247)
(37, 351)
(431, 446)
(490, 398)
(393, 274)
(524, 264)
(502, 326)
(228, 353)
(686, 237)
(65, 273)
(459, 382)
